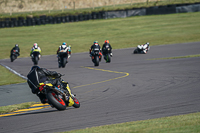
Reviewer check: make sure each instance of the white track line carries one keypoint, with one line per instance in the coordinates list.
(13, 71)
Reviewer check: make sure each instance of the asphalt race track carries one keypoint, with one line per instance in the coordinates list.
(145, 89)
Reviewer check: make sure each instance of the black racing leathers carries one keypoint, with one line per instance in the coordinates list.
(15, 48)
(105, 46)
(95, 46)
(39, 75)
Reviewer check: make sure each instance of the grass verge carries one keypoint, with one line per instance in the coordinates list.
(9, 77)
(189, 123)
(11, 108)
(178, 57)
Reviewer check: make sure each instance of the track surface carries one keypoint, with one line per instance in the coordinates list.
(153, 89)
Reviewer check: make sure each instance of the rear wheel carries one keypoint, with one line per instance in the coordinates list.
(64, 62)
(35, 60)
(96, 62)
(135, 51)
(108, 59)
(56, 101)
(12, 58)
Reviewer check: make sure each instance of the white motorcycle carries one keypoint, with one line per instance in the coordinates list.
(142, 49)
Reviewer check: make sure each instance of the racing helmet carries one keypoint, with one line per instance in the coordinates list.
(35, 67)
(35, 44)
(147, 43)
(64, 43)
(106, 41)
(16, 45)
(95, 42)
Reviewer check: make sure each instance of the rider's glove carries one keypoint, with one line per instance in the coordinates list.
(59, 75)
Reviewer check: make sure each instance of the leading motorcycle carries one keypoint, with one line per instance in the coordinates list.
(141, 50)
(14, 55)
(59, 97)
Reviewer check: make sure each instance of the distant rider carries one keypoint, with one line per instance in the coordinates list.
(105, 46)
(69, 51)
(95, 46)
(145, 47)
(35, 48)
(63, 48)
(40, 75)
(15, 49)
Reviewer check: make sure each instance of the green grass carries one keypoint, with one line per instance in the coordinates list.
(122, 33)
(178, 57)
(11, 108)
(9, 77)
(189, 123)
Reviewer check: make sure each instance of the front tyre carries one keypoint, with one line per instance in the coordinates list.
(56, 101)
(76, 102)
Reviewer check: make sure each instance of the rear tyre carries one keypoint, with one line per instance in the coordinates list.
(64, 62)
(12, 58)
(135, 51)
(96, 62)
(108, 58)
(57, 102)
(35, 60)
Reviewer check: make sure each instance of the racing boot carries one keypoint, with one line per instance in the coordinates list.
(65, 87)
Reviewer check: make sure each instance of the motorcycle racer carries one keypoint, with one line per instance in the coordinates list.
(145, 47)
(40, 75)
(69, 50)
(16, 48)
(63, 49)
(106, 45)
(95, 46)
(35, 48)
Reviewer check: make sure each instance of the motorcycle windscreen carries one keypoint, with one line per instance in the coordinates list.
(33, 77)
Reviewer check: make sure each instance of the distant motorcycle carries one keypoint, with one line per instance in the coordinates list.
(107, 56)
(96, 57)
(62, 59)
(35, 57)
(141, 50)
(14, 55)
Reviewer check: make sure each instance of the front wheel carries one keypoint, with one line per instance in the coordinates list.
(56, 101)
(76, 102)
